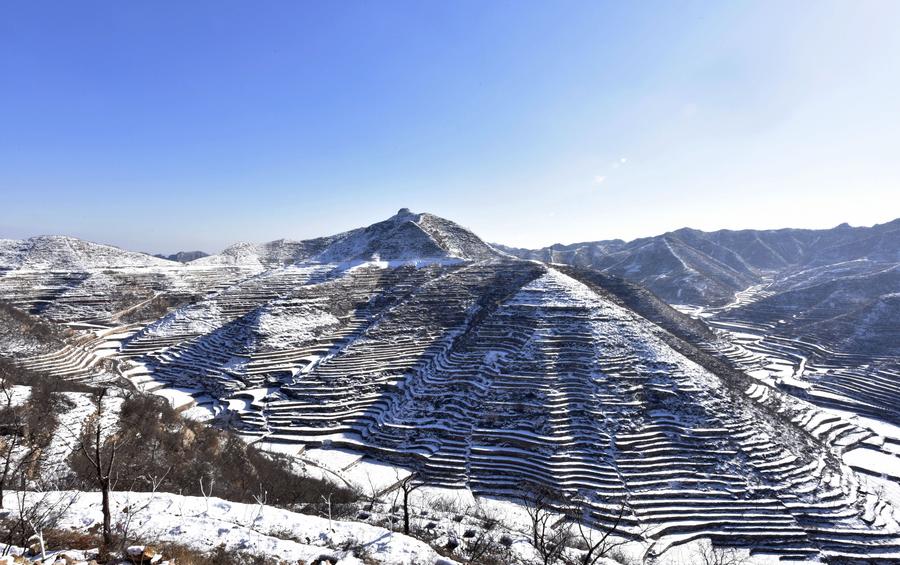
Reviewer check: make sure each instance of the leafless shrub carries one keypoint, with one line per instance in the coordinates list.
(39, 513)
(184, 555)
(619, 556)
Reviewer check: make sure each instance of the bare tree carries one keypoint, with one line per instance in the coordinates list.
(599, 541)
(709, 554)
(550, 533)
(100, 448)
(12, 433)
(206, 495)
(327, 501)
(406, 487)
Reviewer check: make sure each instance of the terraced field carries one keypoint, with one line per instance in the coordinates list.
(494, 374)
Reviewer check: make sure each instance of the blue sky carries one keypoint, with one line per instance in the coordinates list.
(181, 125)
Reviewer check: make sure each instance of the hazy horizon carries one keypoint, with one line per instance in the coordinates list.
(168, 127)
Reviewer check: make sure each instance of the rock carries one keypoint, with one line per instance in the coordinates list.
(187, 437)
(142, 554)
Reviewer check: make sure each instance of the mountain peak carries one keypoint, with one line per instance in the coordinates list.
(407, 236)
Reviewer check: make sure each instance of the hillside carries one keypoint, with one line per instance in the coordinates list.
(411, 343)
(405, 236)
(61, 253)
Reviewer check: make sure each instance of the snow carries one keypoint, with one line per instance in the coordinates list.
(63, 253)
(874, 462)
(178, 398)
(333, 459)
(205, 524)
(277, 323)
(417, 262)
(371, 475)
(406, 237)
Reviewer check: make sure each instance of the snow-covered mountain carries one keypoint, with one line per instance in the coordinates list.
(404, 236)
(709, 268)
(413, 343)
(407, 236)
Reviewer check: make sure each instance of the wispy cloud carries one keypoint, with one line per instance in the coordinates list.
(600, 179)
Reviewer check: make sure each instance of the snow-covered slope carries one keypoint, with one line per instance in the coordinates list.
(407, 236)
(267, 255)
(262, 531)
(62, 253)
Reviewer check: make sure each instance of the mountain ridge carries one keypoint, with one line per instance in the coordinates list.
(710, 268)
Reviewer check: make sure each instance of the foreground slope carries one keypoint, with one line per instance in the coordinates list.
(267, 533)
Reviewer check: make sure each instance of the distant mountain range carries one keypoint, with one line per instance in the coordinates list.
(837, 286)
(183, 256)
(690, 266)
